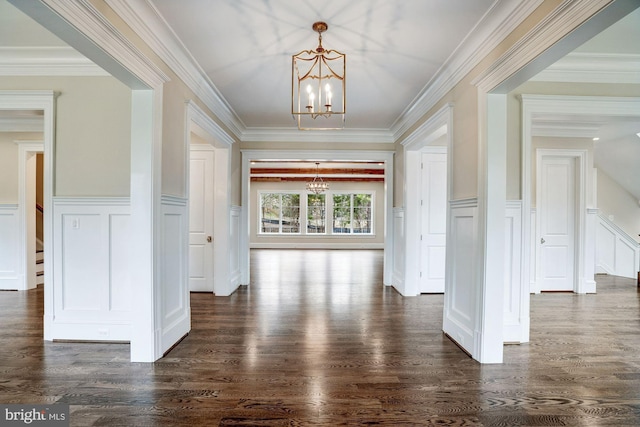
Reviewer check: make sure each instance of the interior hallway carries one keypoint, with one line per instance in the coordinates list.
(318, 340)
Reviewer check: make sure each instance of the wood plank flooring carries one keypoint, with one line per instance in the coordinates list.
(316, 340)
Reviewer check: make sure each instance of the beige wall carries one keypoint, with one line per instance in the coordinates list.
(93, 133)
(9, 163)
(378, 187)
(619, 205)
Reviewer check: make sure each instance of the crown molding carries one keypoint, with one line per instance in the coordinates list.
(103, 37)
(46, 61)
(148, 23)
(579, 67)
(563, 129)
(495, 26)
(22, 124)
(295, 135)
(544, 41)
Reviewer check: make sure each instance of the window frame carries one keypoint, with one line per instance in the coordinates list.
(280, 219)
(351, 232)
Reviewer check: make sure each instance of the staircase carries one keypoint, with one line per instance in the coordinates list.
(39, 266)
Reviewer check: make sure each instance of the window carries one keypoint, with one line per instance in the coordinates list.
(352, 213)
(316, 212)
(279, 213)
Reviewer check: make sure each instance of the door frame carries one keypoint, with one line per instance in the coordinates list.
(580, 157)
(27, 151)
(385, 157)
(440, 124)
(197, 121)
(45, 101)
(532, 106)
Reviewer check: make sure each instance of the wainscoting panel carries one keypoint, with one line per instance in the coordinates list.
(91, 290)
(516, 290)
(234, 243)
(174, 287)
(398, 249)
(460, 288)
(119, 257)
(618, 253)
(9, 247)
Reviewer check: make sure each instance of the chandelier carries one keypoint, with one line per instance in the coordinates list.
(318, 86)
(317, 186)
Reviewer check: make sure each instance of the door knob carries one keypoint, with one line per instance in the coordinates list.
(542, 240)
(209, 239)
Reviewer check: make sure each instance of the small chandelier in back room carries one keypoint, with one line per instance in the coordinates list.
(317, 186)
(318, 86)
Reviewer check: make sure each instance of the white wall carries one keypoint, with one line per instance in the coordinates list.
(325, 241)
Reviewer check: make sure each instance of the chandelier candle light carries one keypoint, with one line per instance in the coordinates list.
(317, 186)
(318, 86)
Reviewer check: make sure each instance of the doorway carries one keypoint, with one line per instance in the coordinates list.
(433, 218)
(558, 200)
(201, 217)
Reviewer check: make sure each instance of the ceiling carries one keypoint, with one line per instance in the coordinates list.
(395, 51)
(393, 48)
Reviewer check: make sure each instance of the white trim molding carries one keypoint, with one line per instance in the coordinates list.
(10, 259)
(584, 67)
(46, 61)
(87, 30)
(26, 212)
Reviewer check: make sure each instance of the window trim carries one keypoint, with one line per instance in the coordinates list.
(371, 193)
(280, 224)
(303, 213)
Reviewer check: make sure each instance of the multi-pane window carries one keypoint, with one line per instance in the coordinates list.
(316, 213)
(279, 213)
(352, 213)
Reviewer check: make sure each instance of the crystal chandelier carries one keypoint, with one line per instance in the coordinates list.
(318, 86)
(317, 186)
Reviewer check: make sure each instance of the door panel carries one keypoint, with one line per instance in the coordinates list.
(434, 222)
(201, 221)
(557, 206)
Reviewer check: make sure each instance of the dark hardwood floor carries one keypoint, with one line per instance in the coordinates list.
(316, 340)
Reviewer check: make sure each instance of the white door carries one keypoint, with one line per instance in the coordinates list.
(556, 196)
(433, 222)
(201, 221)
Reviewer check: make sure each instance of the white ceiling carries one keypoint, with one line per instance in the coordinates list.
(393, 48)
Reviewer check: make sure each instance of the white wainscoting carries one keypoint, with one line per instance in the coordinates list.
(9, 247)
(398, 249)
(461, 293)
(92, 288)
(234, 242)
(618, 253)
(175, 307)
(516, 287)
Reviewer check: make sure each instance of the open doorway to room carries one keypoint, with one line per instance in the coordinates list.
(213, 222)
(355, 213)
(32, 207)
(427, 190)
